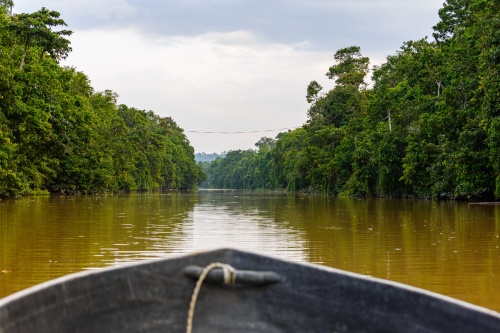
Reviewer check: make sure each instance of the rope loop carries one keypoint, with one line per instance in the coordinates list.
(229, 279)
(229, 274)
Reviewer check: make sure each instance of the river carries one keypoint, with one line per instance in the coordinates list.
(447, 247)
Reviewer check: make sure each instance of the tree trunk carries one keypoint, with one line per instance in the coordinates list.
(25, 51)
(390, 124)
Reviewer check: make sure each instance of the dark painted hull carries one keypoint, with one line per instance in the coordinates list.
(155, 296)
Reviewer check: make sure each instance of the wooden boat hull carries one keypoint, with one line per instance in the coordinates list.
(155, 297)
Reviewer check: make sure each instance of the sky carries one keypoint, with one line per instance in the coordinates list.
(228, 66)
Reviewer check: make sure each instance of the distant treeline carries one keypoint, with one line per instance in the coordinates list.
(204, 157)
(428, 125)
(58, 135)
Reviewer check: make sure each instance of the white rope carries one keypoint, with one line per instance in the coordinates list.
(229, 279)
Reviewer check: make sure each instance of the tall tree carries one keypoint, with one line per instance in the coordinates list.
(35, 29)
(454, 17)
(7, 5)
(348, 97)
(351, 67)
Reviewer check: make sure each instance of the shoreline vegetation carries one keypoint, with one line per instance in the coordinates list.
(58, 135)
(428, 125)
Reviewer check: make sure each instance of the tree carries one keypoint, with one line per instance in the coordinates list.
(265, 143)
(36, 30)
(58, 135)
(313, 90)
(348, 97)
(7, 6)
(429, 126)
(351, 67)
(454, 16)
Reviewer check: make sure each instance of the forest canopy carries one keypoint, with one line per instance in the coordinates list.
(59, 135)
(427, 126)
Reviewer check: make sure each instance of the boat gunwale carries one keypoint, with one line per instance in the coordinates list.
(357, 276)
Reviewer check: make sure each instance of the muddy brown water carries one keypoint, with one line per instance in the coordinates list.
(447, 247)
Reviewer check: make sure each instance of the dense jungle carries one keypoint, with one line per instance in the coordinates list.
(426, 125)
(58, 135)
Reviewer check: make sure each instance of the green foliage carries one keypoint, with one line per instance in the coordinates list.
(428, 127)
(493, 142)
(58, 135)
(7, 5)
(35, 30)
(454, 16)
(351, 67)
(313, 90)
(265, 143)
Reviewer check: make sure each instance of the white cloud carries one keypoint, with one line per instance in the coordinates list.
(204, 3)
(365, 5)
(228, 65)
(102, 9)
(211, 82)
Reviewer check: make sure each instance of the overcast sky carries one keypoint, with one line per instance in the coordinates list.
(228, 65)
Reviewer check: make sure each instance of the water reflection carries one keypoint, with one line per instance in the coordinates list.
(451, 248)
(228, 219)
(214, 220)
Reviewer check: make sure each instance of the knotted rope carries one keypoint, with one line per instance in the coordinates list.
(229, 279)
